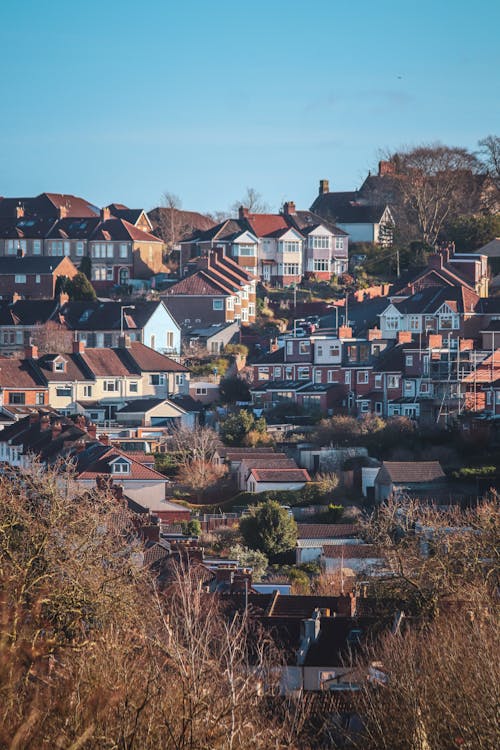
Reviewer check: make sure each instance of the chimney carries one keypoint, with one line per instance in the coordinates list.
(324, 187)
(105, 213)
(78, 347)
(386, 168)
(44, 423)
(31, 352)
(352, 597)
(242, 213)
(374, 334)
(435, 341)
(104, 438)
(465, 345)
(124, 341)
(19, 211)
(435, 261)
(289, 208)
(92, 430)
(345, 332)
(34, 417)
(56, 430)
(79, 445)
(63, 212)
(404, 337)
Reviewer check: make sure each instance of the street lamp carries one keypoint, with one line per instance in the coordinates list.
(122, 308)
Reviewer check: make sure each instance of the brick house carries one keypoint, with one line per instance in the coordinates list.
(33, 278)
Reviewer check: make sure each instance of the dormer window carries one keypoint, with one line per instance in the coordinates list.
(59, 365)
(120, 466)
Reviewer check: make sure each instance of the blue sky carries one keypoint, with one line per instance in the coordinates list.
(122, 101)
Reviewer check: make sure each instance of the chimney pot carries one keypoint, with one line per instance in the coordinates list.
(345, 332)
(289, 208)
(243, 212)
(404, 337)
(324, 187)
(31, 352)
(105, 213)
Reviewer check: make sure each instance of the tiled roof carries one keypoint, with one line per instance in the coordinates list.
(143, 405)
(232, 454)
(96, 462)
(347, 208)
(409, 472)
(72, 372)
(275, 461)
(27, 312)
(119, 229)
(327, 530)
(149, 360)
(306, 221)
(104, 316)
(73, 228)
(31, 227)
(280, 475)
(18, 374)
(199, 284)
(264, 225)
(108, 362)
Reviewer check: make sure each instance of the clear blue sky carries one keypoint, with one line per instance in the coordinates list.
(121, 101)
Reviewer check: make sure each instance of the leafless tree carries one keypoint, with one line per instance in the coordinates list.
(489, 149)
(51, 337)
(253, 201)
(420, 695)
(433, 183)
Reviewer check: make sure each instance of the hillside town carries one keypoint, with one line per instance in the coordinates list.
(287, 421)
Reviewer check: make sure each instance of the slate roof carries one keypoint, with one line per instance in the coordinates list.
(30, 265)
(48, 204)
(411, 472)
(30, 227)
(105, 315)
(143, 405)
(27, 312)
(96, 462)
(149, 360)
(327, 530)
(306, 221)
(73, 228)
(347, 208)
(492, 249)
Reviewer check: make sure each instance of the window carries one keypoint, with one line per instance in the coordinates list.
(263, 373)
(393, 381)
(291, 247)
(290, 269)
(170, 339)
(303, 373)
(218, 304)
(109, 251)
(244, 250)
(414, 321)
(109, 273)
(20, 278)
(244, 315)
(133, 386)
(277, 373)
(111, 386)
(59, 365)
(201, 391)
(251, 309)
(378, 381)
(67, 248)
(157, 379)
(409, 360)
(123, 250)
(303, 347)
(37, 247)
(339, 243)
(364, 407)
(289, 347)
(424, 387)
(17, 398)
(38, 278)
(80, 248)
(320, 242)
(362, 377)
(120, 467)
(230, 303)
(56, 248)
(347, 377)
(392, 323)
(330, 376)
(87, 391)
(179, 379)
(378, 407)
(63, 391)
(98, 273)
(321, 264)
(288, 373)
(39, 397)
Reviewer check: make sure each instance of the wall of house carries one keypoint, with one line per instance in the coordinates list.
(147, 259)
(32, 396)
(162, 333)
(278, 486)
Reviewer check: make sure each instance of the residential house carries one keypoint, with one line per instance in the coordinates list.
(211, 339)
(33, 278)
(48, 205)
(404, 477)
(313, 537)
(232, 456)
(351, 559)
(218, 292)
(362, 219)
(154, 412)
(261, 480)
(273, 461)
(21, 384)
(325, 247)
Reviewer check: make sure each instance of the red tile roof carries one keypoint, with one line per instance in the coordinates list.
(412, 472)
(350, 551)
(280, 475)
(266, 224)
(18, 374)
(102, 466)
(108, 362)
(119, 229)
(199, 284)
(150, 360)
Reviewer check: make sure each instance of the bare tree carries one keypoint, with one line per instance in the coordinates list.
(489, 149)
(434, 183)
(420, 694)
(51, 337)
(195, 450)
(253, 201)
(171, 223)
